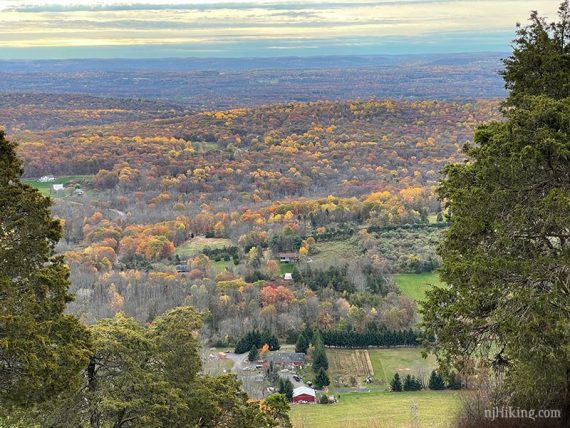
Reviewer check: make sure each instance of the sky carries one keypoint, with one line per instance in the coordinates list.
(52, 29)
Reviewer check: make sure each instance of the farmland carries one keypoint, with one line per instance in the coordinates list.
(415, 285)
(386, 362)
(198, 244)
(46, 188)
(381, 410)
(349, 367)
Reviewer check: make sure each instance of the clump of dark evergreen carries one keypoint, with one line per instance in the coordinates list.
(218, 254)
(320, 360)
(334, 277)
(285, 387)
(354, 339)
(255, 276)
(322, 379)
(257, 339)
(436, 382)
(412, 383)
(396, 383)
(253, 354)
(302, 344)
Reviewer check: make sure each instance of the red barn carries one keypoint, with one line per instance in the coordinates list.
(303, 395)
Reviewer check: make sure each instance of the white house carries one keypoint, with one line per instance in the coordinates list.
(58, 187)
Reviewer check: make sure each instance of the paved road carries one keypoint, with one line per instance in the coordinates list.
(241, 363)
(287, 374)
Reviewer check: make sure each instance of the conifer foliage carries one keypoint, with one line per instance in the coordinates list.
(41, 348)
(505, 256)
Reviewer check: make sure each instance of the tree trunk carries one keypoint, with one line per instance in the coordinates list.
(95, 416)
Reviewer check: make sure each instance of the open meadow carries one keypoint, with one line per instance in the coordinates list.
(381, 410)
(199, 243)
(415, 285)
(386, 362)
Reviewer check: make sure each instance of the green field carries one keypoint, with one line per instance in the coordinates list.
(380, 409)
(45, 188)
(386, 362)
(415, 285)
(348, 367)
(222, 265)
(286, 268)
(334, 253)
(198, 244)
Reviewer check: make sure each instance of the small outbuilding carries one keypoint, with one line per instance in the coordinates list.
(288, 257)
(304, 395)
(182, 268)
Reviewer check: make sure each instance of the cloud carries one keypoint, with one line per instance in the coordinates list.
(294, 26)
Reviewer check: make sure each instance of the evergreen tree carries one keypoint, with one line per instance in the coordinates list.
(286, 388)
(141, 376)
(302, 344)
(42, 350)
(396, 383)
(540, 60)
(436, 382)
(277, 406)
(407, 383)
(320, 360)
(322, 379)
(505, 255)
(269, 339)
(253, 354)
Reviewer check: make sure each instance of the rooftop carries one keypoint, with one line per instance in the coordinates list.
(286, 357)
(304, 390)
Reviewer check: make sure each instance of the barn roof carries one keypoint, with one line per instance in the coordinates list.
(304, 390)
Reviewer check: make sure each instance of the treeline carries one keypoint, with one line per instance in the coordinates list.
(218, 254)
(255, 339)
(380, 338)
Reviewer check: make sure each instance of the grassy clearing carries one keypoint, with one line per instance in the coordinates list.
(222, 265)
(45, 188)
(197, 245)
(286, 268)
(415, 285)
(380, 410)
(386, 362)
(334, 253)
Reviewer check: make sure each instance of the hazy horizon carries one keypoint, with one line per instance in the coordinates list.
(66, 29)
